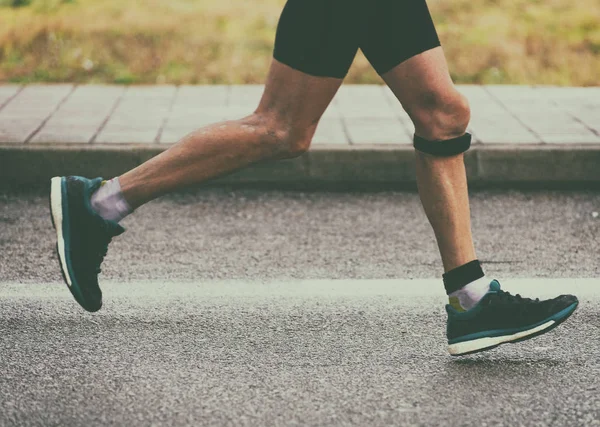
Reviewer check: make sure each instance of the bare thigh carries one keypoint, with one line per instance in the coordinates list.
(294, 99)
(422, 82)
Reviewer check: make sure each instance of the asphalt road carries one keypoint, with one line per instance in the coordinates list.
(273, 235)
(364, 353)
(175, 346)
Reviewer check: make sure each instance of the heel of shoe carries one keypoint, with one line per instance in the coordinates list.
(56, 212)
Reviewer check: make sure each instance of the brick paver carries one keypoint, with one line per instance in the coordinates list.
(80, 117)
(522, 134)
(245, 95)
(330, 131)
(375, 130)
(583, 104)
(364, 102)
(26, 112)
(194, 107)
(370, 117)
(548, 120)
(358, 115)
(139, 116)
(7, 92)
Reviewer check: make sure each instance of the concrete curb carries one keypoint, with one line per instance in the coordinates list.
(30, 166)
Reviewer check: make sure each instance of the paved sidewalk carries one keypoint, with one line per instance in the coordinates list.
(522, 135)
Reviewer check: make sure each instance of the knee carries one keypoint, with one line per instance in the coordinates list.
(284, 140)
(440, 117)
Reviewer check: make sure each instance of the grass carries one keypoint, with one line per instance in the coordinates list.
(554, 42)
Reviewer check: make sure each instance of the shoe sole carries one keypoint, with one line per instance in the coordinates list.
(483, 344)
(56, 210)
(58, 205)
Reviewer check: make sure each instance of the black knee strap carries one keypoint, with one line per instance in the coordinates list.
(450, 147)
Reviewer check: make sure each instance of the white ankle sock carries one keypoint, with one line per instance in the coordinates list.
(109, 203)
(469, 295)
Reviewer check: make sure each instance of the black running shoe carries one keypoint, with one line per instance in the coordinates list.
(504, 318)
(82, 237)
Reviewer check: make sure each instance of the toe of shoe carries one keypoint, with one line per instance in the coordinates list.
(89, 303)
(564, 301)
(91, 306)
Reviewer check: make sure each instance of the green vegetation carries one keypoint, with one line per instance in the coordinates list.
(213, 41)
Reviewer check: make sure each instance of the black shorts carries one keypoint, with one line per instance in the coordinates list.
(321, 37)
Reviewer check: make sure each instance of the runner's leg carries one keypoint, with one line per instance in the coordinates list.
(281, 127)
(312, 55)
(439, 113)
(403, 46)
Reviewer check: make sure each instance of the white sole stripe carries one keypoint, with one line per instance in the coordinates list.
(56, 205)
(482, 343)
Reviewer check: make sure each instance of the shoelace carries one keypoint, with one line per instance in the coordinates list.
(508, 297)
(104, 239)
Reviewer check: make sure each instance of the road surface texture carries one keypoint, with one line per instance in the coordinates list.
(252, 308)
(217, 234)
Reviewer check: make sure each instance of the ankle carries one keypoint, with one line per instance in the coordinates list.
(466, 285)
(469, 295)
(461, 276)
(108, 201)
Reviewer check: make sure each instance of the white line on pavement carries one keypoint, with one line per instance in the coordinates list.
(535, 287)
